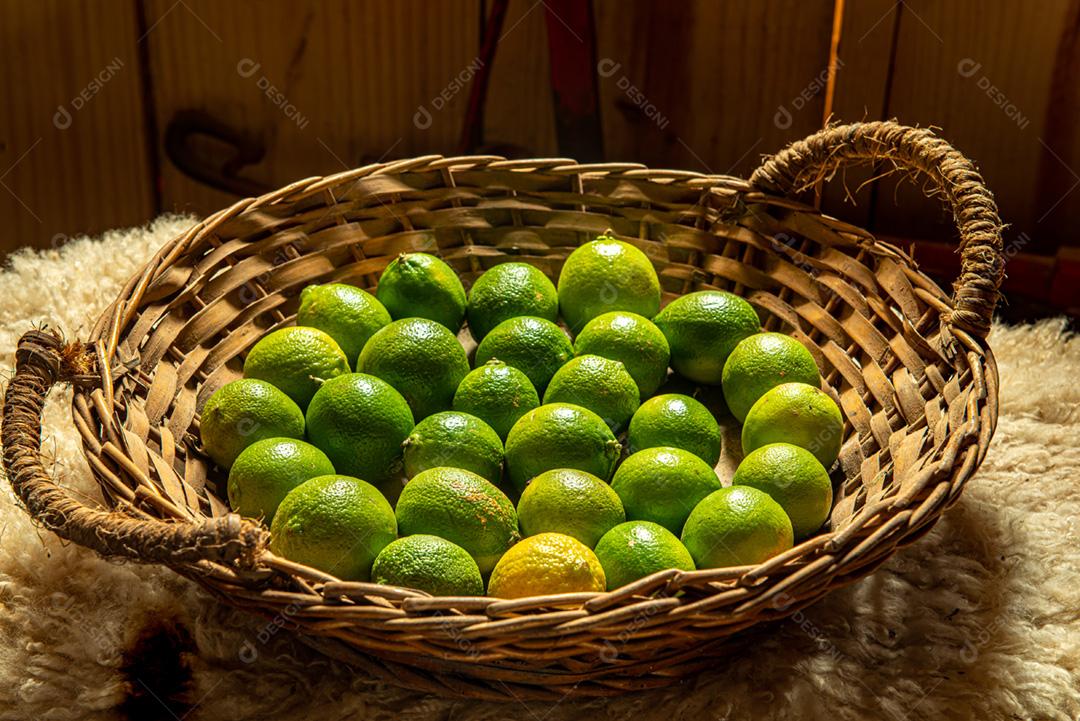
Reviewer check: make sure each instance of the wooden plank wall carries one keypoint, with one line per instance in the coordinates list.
(314, 87)
(319, 87)
(983, 71)
(73, 150)
(718, 95)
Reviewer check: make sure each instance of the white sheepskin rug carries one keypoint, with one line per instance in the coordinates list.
(980, 619)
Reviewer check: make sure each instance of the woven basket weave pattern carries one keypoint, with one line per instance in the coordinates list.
(906, 362)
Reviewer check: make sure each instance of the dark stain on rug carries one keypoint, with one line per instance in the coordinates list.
(158, 673)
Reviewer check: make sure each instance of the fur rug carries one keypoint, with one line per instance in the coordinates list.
(977, 620)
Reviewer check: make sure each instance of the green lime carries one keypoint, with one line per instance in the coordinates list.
(346, 313)
(428, 563)
(267, 470)
(634, 341)
(794, 479)
(535, 346)
(736, 526)
(455, 440)
(572, 502)
(419, 285)
(360, 422)
(762, 362)
(546, 564)
(560, 435)
(605, 275)
(677, 421)
(507, 291)
(421, 359)
(702, 329)
(296, 360)
(796, 413)
(599, 384)
(463, 508)
(497, 394)
(637, 549)
(243, 412)
(336, 524)
(663, 485)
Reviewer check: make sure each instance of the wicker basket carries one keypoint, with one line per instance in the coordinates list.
(908, 364)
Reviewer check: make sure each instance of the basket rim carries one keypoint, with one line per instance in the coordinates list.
(672, 580)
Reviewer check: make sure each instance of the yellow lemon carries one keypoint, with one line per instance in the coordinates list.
(544, 564)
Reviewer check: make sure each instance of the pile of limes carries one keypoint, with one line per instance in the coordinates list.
(612, 478)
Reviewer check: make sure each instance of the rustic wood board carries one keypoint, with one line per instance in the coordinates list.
(324, 85)
(707, 88)
(520, 118)
(674, 87)
(862, 83)
(321, 86)
(73, 156)
(981, 71)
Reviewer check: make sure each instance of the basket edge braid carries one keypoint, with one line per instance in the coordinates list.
(42, 360)
(916, 150)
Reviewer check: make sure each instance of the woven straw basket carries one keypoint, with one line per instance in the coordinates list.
(907, 362)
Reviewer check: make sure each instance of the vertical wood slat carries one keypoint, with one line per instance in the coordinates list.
(865, 54)
(713, 86)
(674, 85)
(73, 156)
(520, 119)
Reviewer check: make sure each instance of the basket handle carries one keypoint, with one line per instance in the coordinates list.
(41, 361)
(803, 163)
